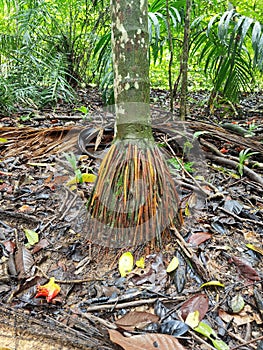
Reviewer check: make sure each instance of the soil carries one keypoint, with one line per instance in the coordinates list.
(43, 232)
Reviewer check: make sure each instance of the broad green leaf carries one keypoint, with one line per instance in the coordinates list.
(32, 236)
(212, 283)
(173, 264)
(125, 263)
(220, 344)
(205, 330)
(208, 332)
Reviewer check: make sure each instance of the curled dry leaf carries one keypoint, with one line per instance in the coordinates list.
(180, 273)
(198, 302)
(146, 341)
(136, 319)
(243, 317)
(23, 261)
(197, 238)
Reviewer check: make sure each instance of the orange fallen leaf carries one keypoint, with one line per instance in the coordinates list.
(49, 290)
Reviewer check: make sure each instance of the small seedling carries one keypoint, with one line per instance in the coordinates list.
(244, 155)
(179, 165)
(25, 118)
(71, 158)
(84, 110)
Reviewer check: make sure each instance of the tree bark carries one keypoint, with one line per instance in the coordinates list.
(130, 49)
(184, 61)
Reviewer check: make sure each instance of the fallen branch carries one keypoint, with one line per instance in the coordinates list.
(232, 164)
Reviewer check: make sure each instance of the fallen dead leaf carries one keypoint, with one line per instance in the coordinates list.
(136, 319)
(243, 317)
(198, 302)
(146, 341)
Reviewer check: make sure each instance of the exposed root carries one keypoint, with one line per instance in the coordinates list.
(134, 199)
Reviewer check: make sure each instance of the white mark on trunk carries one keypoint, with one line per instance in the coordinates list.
(142, 4)
(124, 35)
(127, 86)
(136, 85)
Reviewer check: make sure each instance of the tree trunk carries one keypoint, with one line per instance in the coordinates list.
(130, 49)
(184, 61)
(134, 199)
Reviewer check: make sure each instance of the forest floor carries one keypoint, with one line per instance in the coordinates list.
(216, 160)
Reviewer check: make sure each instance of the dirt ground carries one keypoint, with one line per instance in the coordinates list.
(218, 249)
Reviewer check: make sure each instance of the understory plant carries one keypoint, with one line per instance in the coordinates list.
(230, 49)
(244, 155)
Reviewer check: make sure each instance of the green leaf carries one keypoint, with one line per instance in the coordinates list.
(3, 140)
(199, 133)
(32, 236)
(205, 330)
(208, 332)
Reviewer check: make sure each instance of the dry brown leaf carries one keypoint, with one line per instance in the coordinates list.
(199, 237)
(243, 317)
(145, 341)
(198, 302)
(245, 269)
(24, 261)
(136, 319)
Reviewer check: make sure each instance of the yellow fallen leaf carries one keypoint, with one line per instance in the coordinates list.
(212, 283)
(125, 263)
(88, 177)
(140, 263)
(192, 319)
(173, 264)
(255, 248)
(85, 178)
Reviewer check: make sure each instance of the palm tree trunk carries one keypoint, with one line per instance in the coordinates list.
(130, 47)
(134, 199)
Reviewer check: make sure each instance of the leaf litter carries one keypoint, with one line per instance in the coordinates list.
(219, 243)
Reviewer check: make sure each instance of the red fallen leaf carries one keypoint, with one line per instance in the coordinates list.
(199, 237)
(223, 150)
(136, 319)
(146, 341)
(197, 302)
(9, 246)
(49, 290)
(245, 269)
